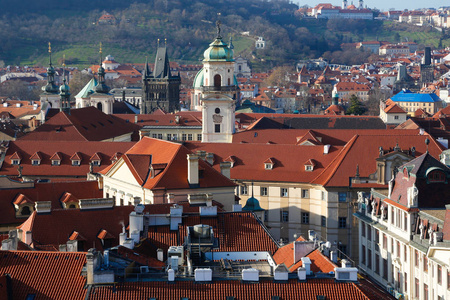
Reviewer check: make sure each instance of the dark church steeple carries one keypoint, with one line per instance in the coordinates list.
(161, 89)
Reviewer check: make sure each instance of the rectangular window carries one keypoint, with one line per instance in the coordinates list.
(384, 241)
(160, 136)
(416, 258)
(405, 282)
(377, 236)
(385, 269)
(324, 221)
(190, 137)
(369, 258)
(305, 193)
(416, 288)
(425, 264)
(342, 222)
(425, 291)
(35, 162)
(363, 229)
(284, 192)
(439, 274)
(199, 137)
(174, 137)
(244, 190)
(169, 136)
(369, 232)
(342, 196)
(398, 249)
(263, 191)
(305, 218)
(363, 255)
(284, 216)
(323, 195)
(154, 135)
(377, 264)
(405, 253)
(183, 136)
(217, 128)
(15, 162)
(75, 162)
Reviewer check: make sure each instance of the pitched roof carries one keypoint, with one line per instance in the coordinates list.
(59, 150)
(47, 275)
(82, 124)
(52, 192)
(319, 262)
(174, 157)
(265, 289)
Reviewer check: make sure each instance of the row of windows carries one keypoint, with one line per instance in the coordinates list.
(174, 136)
(55, 162)
(284, 192)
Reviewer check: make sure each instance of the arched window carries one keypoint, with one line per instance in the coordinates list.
(217, 81)
(100, 106)
(25, 211)
(436, 176)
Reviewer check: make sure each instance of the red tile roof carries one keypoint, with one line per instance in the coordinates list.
(44, 192)
(59, 150)
(319, 262)
(174, 157)
(83, 124)
(265, 289)
(48, 275)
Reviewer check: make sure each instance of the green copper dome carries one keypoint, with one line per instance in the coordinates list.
(252, 204)
(64, 89)
(218, 51)
(198, 80)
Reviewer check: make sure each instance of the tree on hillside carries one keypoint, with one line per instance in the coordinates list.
(356, 107)
(278, 76)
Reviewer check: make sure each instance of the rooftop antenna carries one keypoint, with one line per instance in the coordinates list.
(158, 43)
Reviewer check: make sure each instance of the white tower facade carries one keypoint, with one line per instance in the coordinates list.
(216, 91)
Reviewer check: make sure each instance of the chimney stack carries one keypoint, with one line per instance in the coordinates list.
(193, 169)
(225, 169)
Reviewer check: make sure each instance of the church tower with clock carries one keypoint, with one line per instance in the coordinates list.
(216, 92)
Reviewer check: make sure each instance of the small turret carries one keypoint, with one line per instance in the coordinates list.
(50, 87)
(64, 92)
(101, 87)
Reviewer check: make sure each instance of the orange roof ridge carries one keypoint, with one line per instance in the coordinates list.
(22, 199)
(338, 159)
(68, 197)
(28, 224)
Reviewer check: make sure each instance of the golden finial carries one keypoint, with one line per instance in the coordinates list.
(158, 43)
(64, 61)
(49, 47)
(100, 48)
(165, 42)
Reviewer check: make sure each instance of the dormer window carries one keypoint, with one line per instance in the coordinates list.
(55, 159)
(269, 163)
(76, 159)
(309, 165)
(35, 159)
(15, 159)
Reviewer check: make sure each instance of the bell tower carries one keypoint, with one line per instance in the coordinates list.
(217, 91)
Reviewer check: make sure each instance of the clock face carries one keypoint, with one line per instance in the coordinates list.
(217, 118)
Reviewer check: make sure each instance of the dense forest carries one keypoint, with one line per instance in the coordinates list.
(188, 25)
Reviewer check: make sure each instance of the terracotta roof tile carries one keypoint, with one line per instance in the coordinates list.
(48, 275)
(265, 289)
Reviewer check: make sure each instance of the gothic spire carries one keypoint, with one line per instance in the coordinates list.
(101, 87)
(64, 92)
